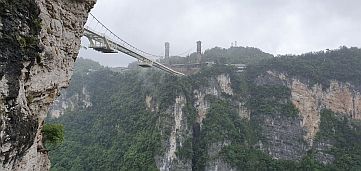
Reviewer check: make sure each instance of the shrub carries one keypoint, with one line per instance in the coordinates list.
(53, 134)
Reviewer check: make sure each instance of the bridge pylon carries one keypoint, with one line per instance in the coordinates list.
(199, 51)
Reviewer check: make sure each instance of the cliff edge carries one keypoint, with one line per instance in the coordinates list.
(39, 42)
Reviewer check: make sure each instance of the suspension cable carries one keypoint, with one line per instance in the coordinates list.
(123, 41)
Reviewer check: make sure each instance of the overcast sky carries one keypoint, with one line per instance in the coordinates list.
(274, 26)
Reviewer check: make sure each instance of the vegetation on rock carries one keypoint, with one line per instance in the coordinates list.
(119, 133)
(53, 135)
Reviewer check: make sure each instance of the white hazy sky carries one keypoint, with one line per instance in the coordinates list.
(274, 26)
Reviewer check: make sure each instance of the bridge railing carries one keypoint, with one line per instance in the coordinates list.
(107, 33)
(114, 43)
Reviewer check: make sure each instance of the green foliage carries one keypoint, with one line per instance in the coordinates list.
(118, 133)
(185, 152)
(28, 41)
(53, 134)
(84, 66)
(343, 64)
(248, 158)
(345, 135)
(201, 79)
(83, 71)
(272, 100)
(222, 124)
(233, 55)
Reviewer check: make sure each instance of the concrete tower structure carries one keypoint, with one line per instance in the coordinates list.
(167, 46)
(199, 51)
(199, 47)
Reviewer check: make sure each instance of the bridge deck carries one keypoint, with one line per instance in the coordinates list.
(105, 45)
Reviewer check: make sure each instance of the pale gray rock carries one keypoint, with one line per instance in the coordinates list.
(34, 67)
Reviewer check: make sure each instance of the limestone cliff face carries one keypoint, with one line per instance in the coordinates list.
(283, 137)
(292, 137)
(178, 134)
(180, 131)
(40, 40)
(71, 102)
(217, 85)
(341, 98)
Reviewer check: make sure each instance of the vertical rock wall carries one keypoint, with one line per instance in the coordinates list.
(170, 161)
(291, 137)
(341, 98)
(39, 42)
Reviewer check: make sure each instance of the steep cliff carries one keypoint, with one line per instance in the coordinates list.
(39, 41)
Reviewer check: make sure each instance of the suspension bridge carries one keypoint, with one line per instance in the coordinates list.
(102, 39)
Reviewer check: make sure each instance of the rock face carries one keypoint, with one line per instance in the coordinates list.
(283, 137)
(180, 131)
(218, 85)
(341, 98)
(225, 83)
(217, 163)
(221, 84)
(39, 42)
(70, 102)
(291, 138)
(170, 161)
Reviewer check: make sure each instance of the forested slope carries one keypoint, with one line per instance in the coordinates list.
(218, 118)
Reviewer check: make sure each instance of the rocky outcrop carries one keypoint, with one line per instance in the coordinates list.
(307, 102)
(151, 104)
(170, 161)
(339, 97)
(343, 98)
(224, 82)
(70, 102)
(219, 165)
(221, 84)
(39, 42)
(322, 150)
(290, 138)
(216, 163)
(217, 85)
(283, 137)
(201, 105)
(243, 111)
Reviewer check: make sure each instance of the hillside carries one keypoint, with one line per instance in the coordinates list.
(284, 113)
(232, 55)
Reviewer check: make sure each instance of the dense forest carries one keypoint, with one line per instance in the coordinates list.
(342, 64)
(118, 132)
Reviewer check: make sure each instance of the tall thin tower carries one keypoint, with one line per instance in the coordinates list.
(199, 51)
(166, 53)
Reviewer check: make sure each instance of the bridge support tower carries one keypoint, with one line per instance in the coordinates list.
(166, 53)
(199, 51)
(167, 46)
